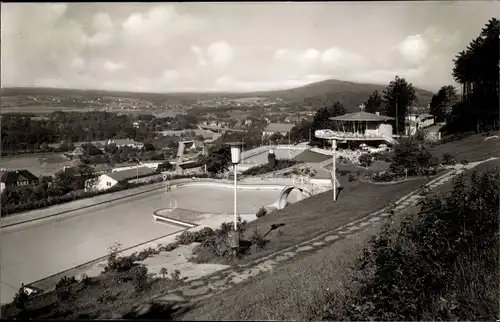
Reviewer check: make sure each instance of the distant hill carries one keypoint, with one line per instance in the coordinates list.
(351, 94)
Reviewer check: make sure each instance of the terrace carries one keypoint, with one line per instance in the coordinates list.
(360, 126)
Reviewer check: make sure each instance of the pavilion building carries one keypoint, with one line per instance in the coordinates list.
(360, 127)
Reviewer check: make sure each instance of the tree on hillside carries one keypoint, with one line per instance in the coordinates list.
(398, 96)
(442, 102)
(477, 70)
(301, 131)
(373, 103)
(322, 120)
(217, 160)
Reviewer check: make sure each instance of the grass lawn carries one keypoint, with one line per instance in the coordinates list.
(318, 214)
(39, 164)
(473, 148)
(291, 291)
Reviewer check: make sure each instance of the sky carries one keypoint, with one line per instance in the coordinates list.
(184, 47)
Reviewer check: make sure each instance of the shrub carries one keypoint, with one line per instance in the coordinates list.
(448, 159)
(215, 245)
(365, 160)
(65, 282)
(20, 299)
(382, 156)
(352, 177)
(139, 277)
(441, 264)
(410, 155)
(261, 212)
(343, 172)
(383, 176)
(258, 240)
(85, 279)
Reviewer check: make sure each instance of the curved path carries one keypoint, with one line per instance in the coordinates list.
(35, 250)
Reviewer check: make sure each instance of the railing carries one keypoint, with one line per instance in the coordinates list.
(329, 134)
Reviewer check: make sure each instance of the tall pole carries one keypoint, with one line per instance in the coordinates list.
(397, 120)
(334, 183)
(235, 212)
(289, 151)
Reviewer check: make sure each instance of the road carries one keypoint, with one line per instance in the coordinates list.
(36, 250)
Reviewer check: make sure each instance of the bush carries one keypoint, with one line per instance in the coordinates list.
(365, 160)
(441, 264)
(448, 159)
(65, 282)
(410, 155)
(382, 156)
(352, 177)
(258, 240)
(383, 176)
(261, 212)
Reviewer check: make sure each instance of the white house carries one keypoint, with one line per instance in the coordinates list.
(110, 179)
(418, 121)
(281, 128)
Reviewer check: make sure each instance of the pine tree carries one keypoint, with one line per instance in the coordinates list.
(374, 103)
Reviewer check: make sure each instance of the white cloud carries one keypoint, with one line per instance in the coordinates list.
(311, 54)
(220, 53)
(112, 67)
(170, 75)
(104, 30)
(200, 56)
(414, 49)
(297, 56)
(102, 22)
(337, 57)
(159, 23)
(77, 64)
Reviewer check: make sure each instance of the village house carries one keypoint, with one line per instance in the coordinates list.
(418, 121)
(110, 179)
(280, 128)
(15, 178)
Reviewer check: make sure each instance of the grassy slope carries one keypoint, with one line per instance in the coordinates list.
(473, 148)
(291, 290)
(298, 287)
(318, 214)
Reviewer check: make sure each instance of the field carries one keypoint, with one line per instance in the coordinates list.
(39, 164)
(42, 109)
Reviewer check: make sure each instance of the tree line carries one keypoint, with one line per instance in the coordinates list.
(20, 132)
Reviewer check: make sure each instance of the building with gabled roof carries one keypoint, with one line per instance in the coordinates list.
(359, 126)
(282, 128)
(110, 179)
(15, 178)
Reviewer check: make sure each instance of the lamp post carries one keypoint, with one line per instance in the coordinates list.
(334, 167)
(235, 159)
